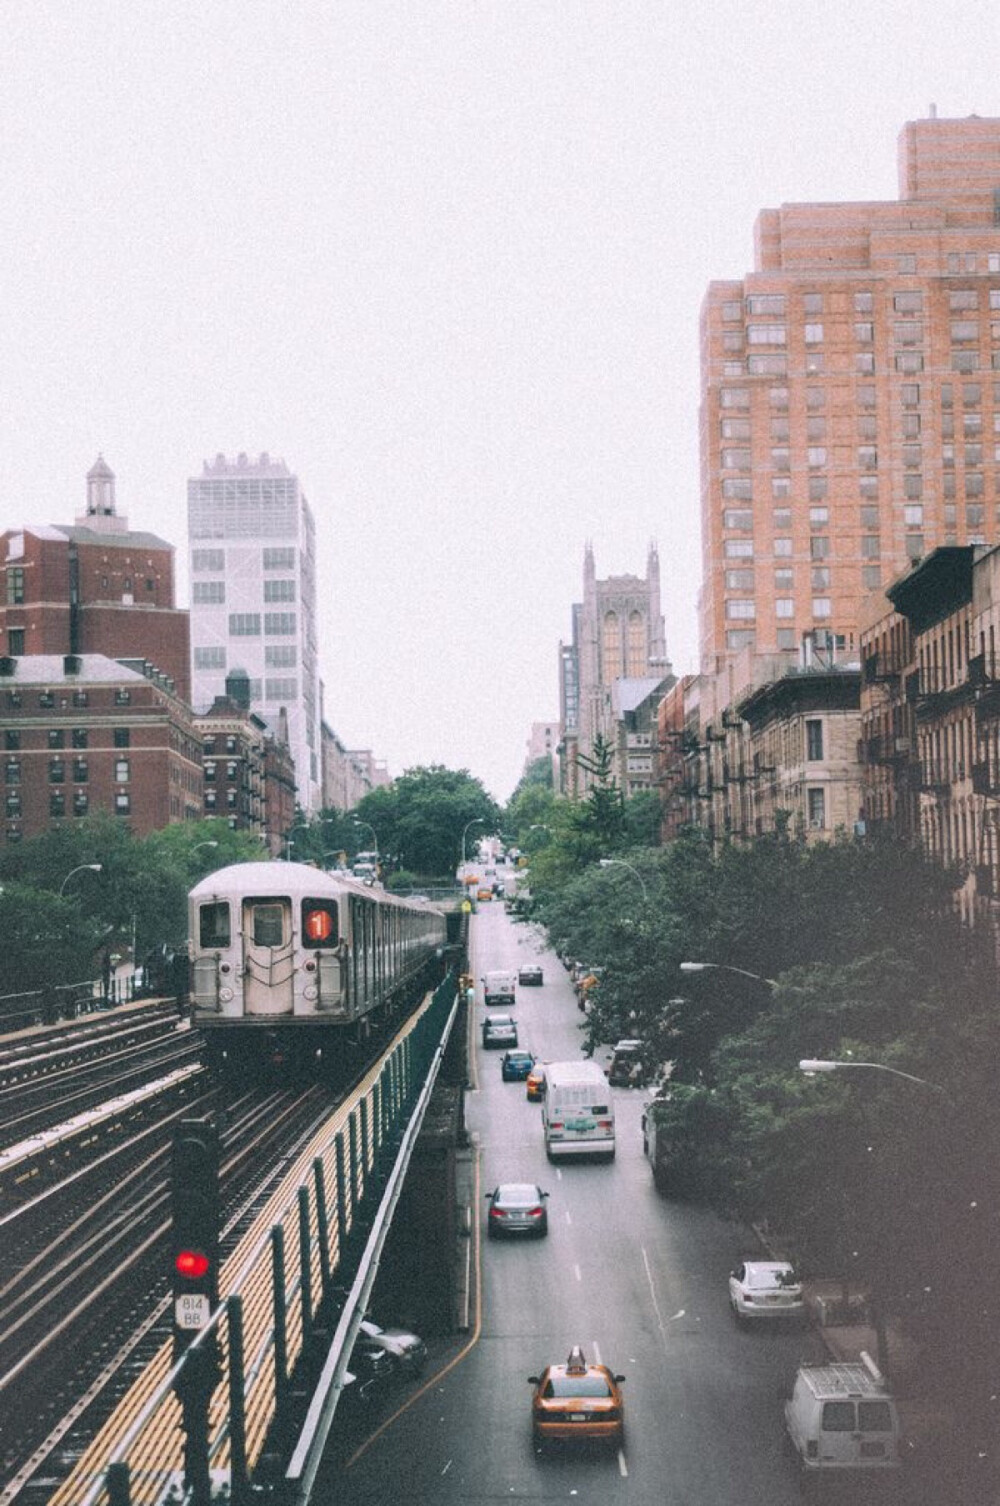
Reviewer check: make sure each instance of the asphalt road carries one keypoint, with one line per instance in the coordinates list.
(637, 1280)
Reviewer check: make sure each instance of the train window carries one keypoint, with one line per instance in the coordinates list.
(213, 925)
(267, 924)
(319, 922)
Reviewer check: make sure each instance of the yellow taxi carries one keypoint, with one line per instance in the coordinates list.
(577, 1400)
(534, 1083)
(484, 894)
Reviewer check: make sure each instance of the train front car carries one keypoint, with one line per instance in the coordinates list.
(290, 964)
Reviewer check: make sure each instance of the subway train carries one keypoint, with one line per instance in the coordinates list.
(290, 964)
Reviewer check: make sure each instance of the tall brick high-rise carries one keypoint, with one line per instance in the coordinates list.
(850, 398)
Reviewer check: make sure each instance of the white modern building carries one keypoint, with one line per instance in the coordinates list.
(252, 542)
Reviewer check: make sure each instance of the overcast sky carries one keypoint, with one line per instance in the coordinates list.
(445, 258)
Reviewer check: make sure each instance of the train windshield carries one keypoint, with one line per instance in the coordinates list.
(268, 928)
(214, 929)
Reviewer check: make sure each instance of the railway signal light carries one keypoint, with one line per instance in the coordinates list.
(194, 1242)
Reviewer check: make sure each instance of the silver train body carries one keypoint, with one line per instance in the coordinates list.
(287, 958)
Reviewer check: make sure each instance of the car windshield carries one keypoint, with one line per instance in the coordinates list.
(577, 1385)
(770, 1276)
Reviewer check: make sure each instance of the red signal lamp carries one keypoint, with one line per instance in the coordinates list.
(191, 1263)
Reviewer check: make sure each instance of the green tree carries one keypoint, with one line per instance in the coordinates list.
(420, 818)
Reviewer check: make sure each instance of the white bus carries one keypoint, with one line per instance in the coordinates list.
(578, 1111)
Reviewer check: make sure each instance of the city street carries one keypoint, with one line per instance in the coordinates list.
(638, 1281)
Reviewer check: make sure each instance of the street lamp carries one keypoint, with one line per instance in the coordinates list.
(700, 967)
(93, 867)
(812, 1065)
(621, 863)
(369, 827)
(203, 844)
(476, 821)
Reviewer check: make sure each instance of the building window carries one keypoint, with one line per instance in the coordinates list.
(909, 362)
(819, 547)
(820, 577)
(781, 486)
(12, 805)
(868, 517)
(782, 548)
(773, 366)
(121, 737)
(279, 559)
(784, 606)
(870, 546)
(864, 333)
(868, 486)
(909, 394)
(57, 771)
(123, 803)
(910, 426)
(281, 688)
(80, 698)
(208, 561)
(736, 489)
(209, 773)
(812, 303)
(766, 334)
(277, 624)
(15, 642)
(732, 309)
(782, 519)
(13, 698)
(745, 610)
(81, 802)
(814, 739)
(123, 697)
(819, 517)
(784, 638)
(781, 459)
(814, 334)
(871, 577)
(47, 700)
(15, 585)
(766, 303)
(735, 428)
(816, 807)
(208, 593)
(740, 638)
(914, 546)
(736, 460)
(12, 771)
(279, 590)
(738, 549)
(210, 658)
(821, 606)
(80, 771)
(12, 739)
(778, 399)
(816, 456)
(865, 396)
(965, 360)
(739, 580)
(57, 803)
(818, 488)
(784, 579)
(864, 303)
(122, 768)
(734, 397)
(780, 430)
(963, 330)
(912, 456)
(960, 300)
(867, 457)
(864, 362)
(57, 737)
(244, 624)
(79, 737)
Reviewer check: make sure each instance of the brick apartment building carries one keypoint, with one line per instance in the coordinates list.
(850, 404)
(94, 587)
(85, 733)
(249, 775)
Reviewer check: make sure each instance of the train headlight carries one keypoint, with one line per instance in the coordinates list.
(310, 991)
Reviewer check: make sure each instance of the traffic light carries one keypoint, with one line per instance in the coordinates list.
(194, 1235)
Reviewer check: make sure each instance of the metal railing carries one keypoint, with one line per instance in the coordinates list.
(293, 1304)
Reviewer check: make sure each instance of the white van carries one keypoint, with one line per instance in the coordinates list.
(578, 1111)
(841, 1417)
(498, 987)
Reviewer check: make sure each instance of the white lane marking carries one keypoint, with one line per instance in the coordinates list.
(652, 1293)
(622, 1466)
(567, 1216)
(597, 1353)
(446, 1468)
(576, 1273)
(558, 1174)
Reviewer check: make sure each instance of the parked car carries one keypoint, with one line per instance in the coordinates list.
(626, 1067)
(531, 975)
(765, 1291)
(517, 1208)
(499, 1030)
(407, 1350)
(516, 1065)
(577, 1401)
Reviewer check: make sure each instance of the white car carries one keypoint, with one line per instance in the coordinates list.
(765, 1290)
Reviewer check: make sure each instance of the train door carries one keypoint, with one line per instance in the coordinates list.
(268, 960)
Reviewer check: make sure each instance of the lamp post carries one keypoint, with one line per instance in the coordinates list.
(476, 821)
(700, 967)
(80, 868)
(812, 1065)
(621, 863)
(210, 843)
(368, 827)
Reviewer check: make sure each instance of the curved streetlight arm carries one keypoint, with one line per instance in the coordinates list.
(80, 868)
(357, 821)
(476, 821)
(812, 1065)
(700, 967)
(203, 844)
(621, 863)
